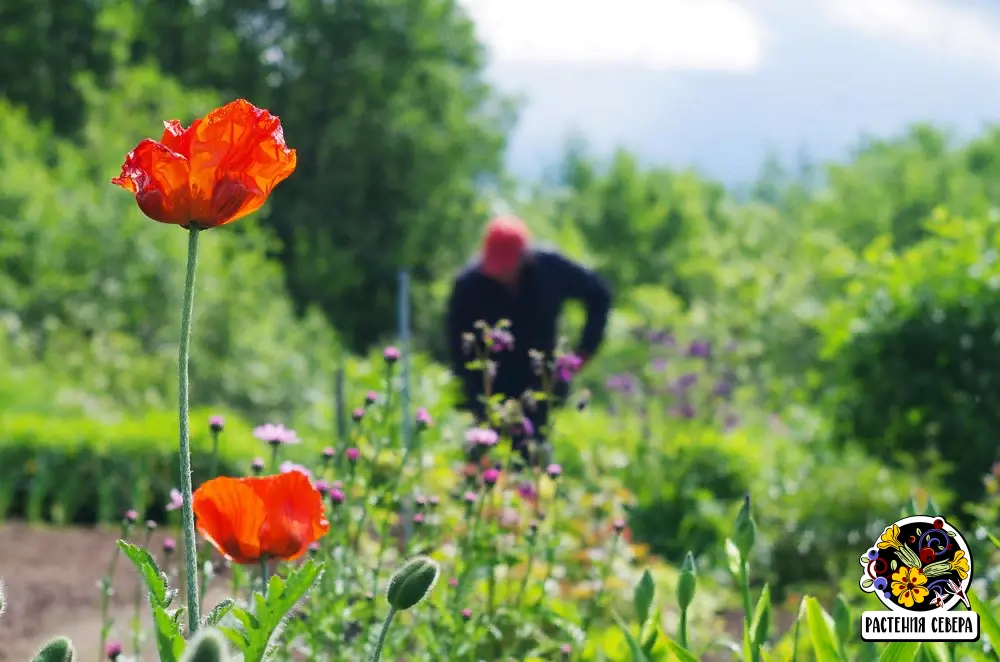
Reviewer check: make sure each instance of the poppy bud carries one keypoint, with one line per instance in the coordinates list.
(745, 533)
(412, 582)
(206, 646)
(61, 649)
(687, 582)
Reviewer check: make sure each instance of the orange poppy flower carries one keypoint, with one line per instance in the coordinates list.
(219, 169)
(268, 517)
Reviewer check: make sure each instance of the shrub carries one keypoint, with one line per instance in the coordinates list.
(913, 352)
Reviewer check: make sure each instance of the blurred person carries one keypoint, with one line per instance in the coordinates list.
(513, 280)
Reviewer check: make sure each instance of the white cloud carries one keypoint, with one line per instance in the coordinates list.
(661, 34)
(943, 26)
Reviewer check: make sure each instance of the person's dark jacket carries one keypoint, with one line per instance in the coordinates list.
(546, 282)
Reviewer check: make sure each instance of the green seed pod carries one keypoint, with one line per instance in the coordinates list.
(687, 583)
(412, 582)
(59, 649)
(206, 646)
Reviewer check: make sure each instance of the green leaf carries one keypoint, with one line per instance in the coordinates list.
(218, 612)
(682, 654)
(154, 579)
(843, 621)
(262, 627)
(645, 591)
(733, 558)
(169, 640)
(633, 645)
(994, 540)
(821, 632)
(649, 643)
(900, 651)
(936, 650)
(761, 622)
(987, 621)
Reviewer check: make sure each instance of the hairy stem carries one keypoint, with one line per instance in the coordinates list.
(183, 411)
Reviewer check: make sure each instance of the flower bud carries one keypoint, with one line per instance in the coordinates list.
(257, 466)
(169, 545)
(412, 582)
(60, 649)
(391, 355)
(745, 533)
(112, 651)
(216, 424)
(357, 415)
(370, 398)
(466, 614)
(687, 583)
(206, 646)
(352, 455)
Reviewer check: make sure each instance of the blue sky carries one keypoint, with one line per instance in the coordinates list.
(720, 84)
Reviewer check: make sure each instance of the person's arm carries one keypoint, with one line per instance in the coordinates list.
(461, 320)
(587, 286)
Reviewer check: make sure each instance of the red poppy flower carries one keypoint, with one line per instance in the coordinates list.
(249, 519)
(219, 169)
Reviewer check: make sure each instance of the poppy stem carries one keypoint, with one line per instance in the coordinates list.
(383, 634)
(263, 576)
(183, 407)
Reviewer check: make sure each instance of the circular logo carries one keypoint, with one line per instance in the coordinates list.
(918, 564)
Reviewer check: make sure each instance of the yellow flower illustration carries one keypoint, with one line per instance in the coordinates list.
(908, 586)
(889, 538)
(960, 564)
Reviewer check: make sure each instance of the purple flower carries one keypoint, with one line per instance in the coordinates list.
(357, 415)
(131, 516)
(435, 502)
(352, 454)
(314, 548)
(424, 419)
(621, 383)
(567, 365)
(216, 423)
(723, 389)
(418, 518)
(176, 500)
(391, 355)
(420, 500)
(453, 581)
(526, 490)
(169, 545)
(553, 471)
(466, 614)
(150, 525)
(619, 525)
(658, 365)
(257, 465)
(491, 476)
(470, 497)
(287, 467)
(371, 397)
(526, 427)
(699, 348)
(113, 650)
(322, 486)
(336, 496)
(686, 381)
(482, 436)
(328, 453)
(500, 340)
(565, 649)
(684, 410)
(275, 434)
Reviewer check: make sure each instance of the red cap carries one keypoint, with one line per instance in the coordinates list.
(505, 242)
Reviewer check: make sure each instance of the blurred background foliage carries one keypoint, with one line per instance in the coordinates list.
(846, 315)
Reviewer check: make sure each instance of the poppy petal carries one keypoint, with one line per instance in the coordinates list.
(296, 516)
(158, 177)
(243, 148)
(230, 516)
